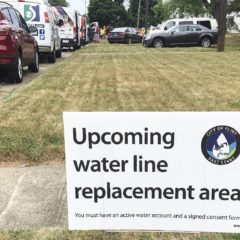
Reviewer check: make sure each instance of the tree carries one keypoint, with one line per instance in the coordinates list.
(107, 12)
(133, 13)
(219, 8)
(63, 3)
(234, 6)
(164, 10)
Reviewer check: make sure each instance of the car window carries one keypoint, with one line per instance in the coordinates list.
(181, 29)
(194, 28)
(169, 25)
(133, 31)
(119, 30)
(6, 14)
(185, 22)
(14, 18)
(206, 24)
(22, 21)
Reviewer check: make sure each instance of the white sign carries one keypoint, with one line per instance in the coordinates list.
(153, 171)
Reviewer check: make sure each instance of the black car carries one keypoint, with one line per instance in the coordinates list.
(124, 35)
(182, 35)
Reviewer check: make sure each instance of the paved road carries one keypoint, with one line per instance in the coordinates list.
(33, 197)
(6, 88)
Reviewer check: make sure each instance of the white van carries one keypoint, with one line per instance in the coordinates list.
(69, 30)
(39, 13)
(210, 23)
(83, 30)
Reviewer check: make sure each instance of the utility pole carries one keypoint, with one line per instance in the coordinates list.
(146, 16)
(139, 8)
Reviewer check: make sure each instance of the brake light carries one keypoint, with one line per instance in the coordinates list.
(5, 61)
(71, 23)
(46, 17)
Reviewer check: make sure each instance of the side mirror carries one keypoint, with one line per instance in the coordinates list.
(60, 23)
(33, 30)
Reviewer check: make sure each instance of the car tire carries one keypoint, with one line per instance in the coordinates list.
(15, 75)
(205, 42)
(59, 53)
(158, 43)
(77, 47)
(35, 66)
(52, 57)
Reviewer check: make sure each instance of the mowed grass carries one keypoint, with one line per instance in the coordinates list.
(105, 77)
(114, 77)
(61, 234)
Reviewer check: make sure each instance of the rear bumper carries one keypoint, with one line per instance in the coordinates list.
(68, 42)
(7, 62)
(147, 43)
(44, 49)
(117, 40)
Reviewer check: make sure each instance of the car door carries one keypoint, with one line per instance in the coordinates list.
(129, 33)
(134, 35)
(193, 34)
(28, 38)
(54, 29)
(178, 35)
(23, 35)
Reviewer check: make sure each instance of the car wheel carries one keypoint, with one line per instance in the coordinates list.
(15, 75)
(77, 47)
(205, 42)
(59, 53)
(35, 66)
(52, 57)
(158, 43)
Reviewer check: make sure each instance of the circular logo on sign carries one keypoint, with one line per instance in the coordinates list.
(29, 14)
(221, 145)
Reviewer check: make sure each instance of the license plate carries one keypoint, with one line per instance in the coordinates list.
(65, 41)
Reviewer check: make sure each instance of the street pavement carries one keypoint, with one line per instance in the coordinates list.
(33, 197)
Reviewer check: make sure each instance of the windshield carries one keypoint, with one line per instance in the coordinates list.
(119, 29)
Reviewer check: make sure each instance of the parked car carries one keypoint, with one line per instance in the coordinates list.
(210, 23)
(69, 30)
(124, 35)
(18, 48)
(40, 14)
(182, 35)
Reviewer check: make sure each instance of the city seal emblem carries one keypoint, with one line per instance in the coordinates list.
(221, 145)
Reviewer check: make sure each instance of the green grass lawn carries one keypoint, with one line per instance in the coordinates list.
(61, 234)
(105, 77)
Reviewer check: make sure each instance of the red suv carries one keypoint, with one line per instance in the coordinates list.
(18, 48)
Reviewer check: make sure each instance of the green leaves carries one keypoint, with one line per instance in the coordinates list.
(63, 3)
(108, 12)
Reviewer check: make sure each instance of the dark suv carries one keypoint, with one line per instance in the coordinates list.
(18, 48)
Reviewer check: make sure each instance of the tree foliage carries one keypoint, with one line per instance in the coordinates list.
(63, 3)
(107, 12)
(133, 13)
(234, 6)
